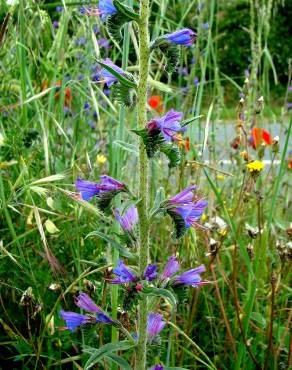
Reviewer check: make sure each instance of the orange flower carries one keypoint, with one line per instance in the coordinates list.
(156, 103)
(290, 164)
(184, 144)
(260, 136)
(68, 96)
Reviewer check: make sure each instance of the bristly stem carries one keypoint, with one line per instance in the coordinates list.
(143, 177)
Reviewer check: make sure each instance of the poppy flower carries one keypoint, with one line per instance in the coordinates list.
(259, 136)
(156, 103)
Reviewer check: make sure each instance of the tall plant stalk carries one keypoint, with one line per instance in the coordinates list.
(144, 53)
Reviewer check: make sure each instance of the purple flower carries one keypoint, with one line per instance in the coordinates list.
(86, 303)
(205, 26)
(128, 219)
(87, 189)
(56, 24)
(191, 277)
(103, 43)
(108, 183)
(184, 197)
(191, 212)
(172, 266)
(183, 71)
(107, 76)
(182, 37)
(90, 189)
(59, 9)
(124, 275)
(150, 272)
(168, 125)
(157, 367)
(106, 8)
(289, 106)
(95, 77)
(196, 81)
(73, 319)
(290, 88)
(86, 105)
(155, 325)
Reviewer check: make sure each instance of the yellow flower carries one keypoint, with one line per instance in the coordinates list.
(100, 158)
(220, 177)
(204, 217)
(255, 166)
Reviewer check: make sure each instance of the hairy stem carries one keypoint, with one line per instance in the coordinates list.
(143, 176)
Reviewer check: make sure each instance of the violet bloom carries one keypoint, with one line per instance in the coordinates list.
(150, 272)
(155, 325)
(168, 124)
(90, 189)
(157, 367)
(56, 24)
(191, 277)
(103, 43)
(128, 219)
(107, 76)
(74, 320)
(123, 274)
(185, 37)
(172, 266)
(106, 8)
(191, 212)
(184, 197)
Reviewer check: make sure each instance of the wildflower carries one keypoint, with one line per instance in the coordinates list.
(191, 277)
(109, 78)
(103, 43)
(86, 105)
(150, 272)
(205, 26)
(89, 189)
(129, 218)
(100, 158)
(196, 81)
(184, 197)
(155, 325)
(74, 320)
(106, 8)
(68, 96)
(220, 177)
(59, 9)
(168, 124)
(123, 274)
(156, 103)
(290, 164)
(259, 136)
(184, 144)
(56, 24)
(157, 367)
(255, 166)
(172, 266)
(190, 213)
(182, 37)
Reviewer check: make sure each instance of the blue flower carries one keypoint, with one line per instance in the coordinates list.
(190, 213)
(86, 303)
(123, 274)
(184, 197)
(172, 266)
(168, 124)
(150, 272)
(107, 76)
(106, 8)
(155, 324)
(90, 189)
(182, 37)
(128, 219)
(157, 367)
(56, 24)
(74, 320)
(191, 277)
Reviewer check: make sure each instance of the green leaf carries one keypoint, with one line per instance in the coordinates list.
(179, 224)
(172, 152)
(159, 198)
(159, 292)
(170, 51)
(127, 11)
(124, 95)
(131, 148)
(151, 139)
(122, 250)
(114, 24)
(190, 120)
(97, 355)
(123, 364)
(126, 79)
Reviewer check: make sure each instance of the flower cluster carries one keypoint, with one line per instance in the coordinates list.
(74, 320)
(185, 209)
(255, 167)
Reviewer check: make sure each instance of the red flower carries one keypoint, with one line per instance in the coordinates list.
(290, 164)
(156, 103)
(259, 136)
(68, 96)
